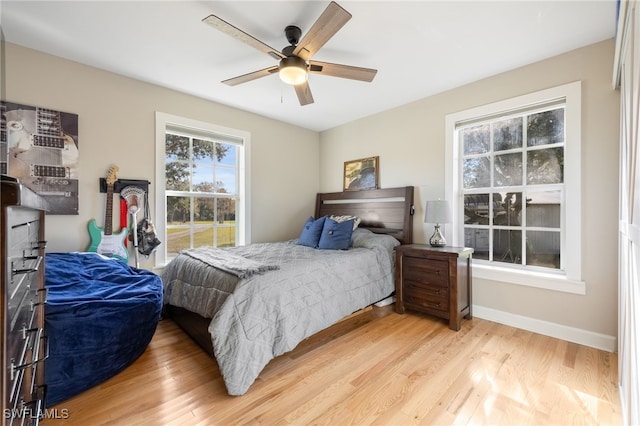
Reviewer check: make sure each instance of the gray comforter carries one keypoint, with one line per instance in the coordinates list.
(266, 314)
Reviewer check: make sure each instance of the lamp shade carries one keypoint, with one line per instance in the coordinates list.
(437, 211)
(293, 70)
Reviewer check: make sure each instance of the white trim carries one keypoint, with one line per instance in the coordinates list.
(547, 281)
(564, 332)
(244, 193)
(572, 229)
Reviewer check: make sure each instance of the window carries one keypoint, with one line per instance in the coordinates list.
(515, 180)
(201, 194)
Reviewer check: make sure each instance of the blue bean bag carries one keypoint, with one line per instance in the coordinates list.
(100, 316)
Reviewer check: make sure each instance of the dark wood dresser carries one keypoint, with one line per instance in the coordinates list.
(435, 281)
(22, 298)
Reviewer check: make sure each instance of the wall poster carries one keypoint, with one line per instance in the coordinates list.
(361, 174)
(40, 148)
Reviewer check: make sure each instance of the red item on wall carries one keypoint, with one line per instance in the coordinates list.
(123, 216)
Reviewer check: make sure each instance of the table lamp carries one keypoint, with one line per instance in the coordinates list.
(437, 212)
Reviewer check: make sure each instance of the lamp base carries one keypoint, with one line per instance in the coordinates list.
(437, 240)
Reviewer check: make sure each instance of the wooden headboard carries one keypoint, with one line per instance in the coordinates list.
(383, 211)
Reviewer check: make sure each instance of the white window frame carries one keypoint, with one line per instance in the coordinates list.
(570, 279)
(243, 208)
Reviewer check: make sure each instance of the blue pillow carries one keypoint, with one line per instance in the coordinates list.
(310, 235)
(336, 235)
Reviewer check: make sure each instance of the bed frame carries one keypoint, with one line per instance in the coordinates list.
(383, 211)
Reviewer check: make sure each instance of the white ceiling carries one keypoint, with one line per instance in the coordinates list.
(418, 47)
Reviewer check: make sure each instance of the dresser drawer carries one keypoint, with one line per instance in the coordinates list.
(24, 292)
(23, 232)
(417, 295)
(432, 273)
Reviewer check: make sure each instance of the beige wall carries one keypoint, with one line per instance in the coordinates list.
(117, 125)
(410, 141)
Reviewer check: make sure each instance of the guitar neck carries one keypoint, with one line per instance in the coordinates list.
(108, 213)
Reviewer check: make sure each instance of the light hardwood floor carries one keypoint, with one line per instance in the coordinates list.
(375, 367)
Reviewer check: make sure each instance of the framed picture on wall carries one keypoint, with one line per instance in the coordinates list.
(39, 147)
(361, 174)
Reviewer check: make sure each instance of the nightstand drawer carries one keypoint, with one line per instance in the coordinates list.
(426, 297)
(432, 273)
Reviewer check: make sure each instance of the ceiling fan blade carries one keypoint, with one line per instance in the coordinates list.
(304, 93)
(332, 19)
(238, 34)
(343, 71)
(250, 76)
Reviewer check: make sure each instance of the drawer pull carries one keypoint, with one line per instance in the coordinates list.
(42, 300)
(35, 268)
(33, 411)
(26, 330)
(40, 245)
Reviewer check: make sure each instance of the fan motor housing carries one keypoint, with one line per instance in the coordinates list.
(293, 34)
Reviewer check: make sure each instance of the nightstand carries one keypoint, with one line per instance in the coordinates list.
(434, 281)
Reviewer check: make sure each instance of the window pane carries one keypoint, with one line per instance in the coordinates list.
(226, 210)
(479, 240)
(203, 222)
(476, 209)
(177, 175)
(225, 180)
(203, 211)
(202, 150)
(178, 210)
(507, 246)
(476, 139)
(203, 178)
(226, 154)
(507, 134)
(545, 166)
(226, 229)
(477, 172)
(543, 209)
(545, 127)
(507, 209)
(177, 147)
(508, 170)
(543, 249)
(179, 225)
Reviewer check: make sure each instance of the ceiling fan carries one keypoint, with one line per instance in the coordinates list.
(295, 60)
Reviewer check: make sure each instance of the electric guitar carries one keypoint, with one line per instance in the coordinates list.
(105, 241)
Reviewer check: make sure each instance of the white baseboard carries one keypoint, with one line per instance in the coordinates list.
(570, 334)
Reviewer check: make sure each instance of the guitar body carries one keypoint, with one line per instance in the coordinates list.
(108, 245)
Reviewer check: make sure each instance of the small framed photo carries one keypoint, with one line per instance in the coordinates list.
(361, 174)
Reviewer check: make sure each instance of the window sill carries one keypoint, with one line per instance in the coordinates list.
(529, 279)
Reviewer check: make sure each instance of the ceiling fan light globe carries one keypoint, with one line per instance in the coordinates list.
(293, 70)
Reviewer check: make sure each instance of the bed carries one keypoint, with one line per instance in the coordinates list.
(100, 315)
(246, 305)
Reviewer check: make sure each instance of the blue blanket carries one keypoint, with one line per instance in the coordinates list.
(100, 316)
